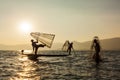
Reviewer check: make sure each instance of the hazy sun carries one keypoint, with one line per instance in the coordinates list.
(25, 27)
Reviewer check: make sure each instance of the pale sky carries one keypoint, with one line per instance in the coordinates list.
(77, 20)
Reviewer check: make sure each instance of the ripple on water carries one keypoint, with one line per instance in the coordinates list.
(14, 66)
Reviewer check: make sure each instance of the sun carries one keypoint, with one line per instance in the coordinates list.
(25, 27)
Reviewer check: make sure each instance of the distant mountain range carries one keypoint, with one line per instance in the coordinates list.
(106, 44)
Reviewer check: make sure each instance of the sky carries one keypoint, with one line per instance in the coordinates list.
(74, 20)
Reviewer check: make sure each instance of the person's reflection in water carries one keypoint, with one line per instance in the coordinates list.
(33, 57)
(97, 73)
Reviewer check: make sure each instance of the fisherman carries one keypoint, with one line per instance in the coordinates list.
(97, 48)
(70, 46)
(35, 46)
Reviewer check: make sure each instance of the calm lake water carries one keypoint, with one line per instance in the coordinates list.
(78, 66)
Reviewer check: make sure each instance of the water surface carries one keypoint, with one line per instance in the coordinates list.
(78, 66)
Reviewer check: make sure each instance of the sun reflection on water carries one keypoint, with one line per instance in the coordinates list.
(28, 69)
(23, 58)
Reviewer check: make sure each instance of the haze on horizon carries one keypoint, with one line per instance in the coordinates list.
(77, 20)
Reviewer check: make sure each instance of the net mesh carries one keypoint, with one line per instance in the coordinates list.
(65, 45)
(44, 38)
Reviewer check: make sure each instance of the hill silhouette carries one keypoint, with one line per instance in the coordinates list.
(107, 44)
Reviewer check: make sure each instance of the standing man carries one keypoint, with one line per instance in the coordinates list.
(96, 46)
(70, 46)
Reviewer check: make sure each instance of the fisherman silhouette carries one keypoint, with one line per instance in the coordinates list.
(35, 46)
(70, 46)
(96, 46)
